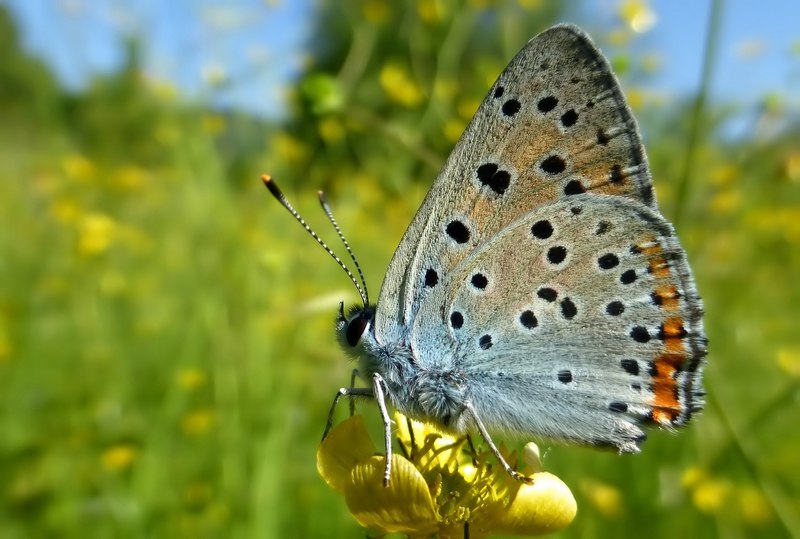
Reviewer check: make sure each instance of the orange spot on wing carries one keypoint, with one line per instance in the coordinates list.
(666, 407)
(665, 417)
(672, 332)
(658, 267)
(668, 297)
(657, 264)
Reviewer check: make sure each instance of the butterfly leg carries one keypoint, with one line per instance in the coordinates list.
(349, 392)
(378, 393)
(488, 439)
(353, 376)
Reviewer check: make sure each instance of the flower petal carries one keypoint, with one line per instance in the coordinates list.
(404, 506)
(545, 506)
(347, 445)
(432, 448)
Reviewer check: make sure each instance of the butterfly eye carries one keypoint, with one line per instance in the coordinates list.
(355, 329)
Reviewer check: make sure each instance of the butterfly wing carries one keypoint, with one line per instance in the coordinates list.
(553, 126)
(579, 321)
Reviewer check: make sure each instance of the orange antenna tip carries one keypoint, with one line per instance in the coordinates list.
(270, 184)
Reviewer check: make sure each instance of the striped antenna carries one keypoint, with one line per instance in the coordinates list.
(270, 184)
(327, 209)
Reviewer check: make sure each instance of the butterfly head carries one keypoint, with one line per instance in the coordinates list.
(352, 326)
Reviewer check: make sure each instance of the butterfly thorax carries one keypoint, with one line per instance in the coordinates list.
(433, 395)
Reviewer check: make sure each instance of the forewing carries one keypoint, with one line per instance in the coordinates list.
(554, 125)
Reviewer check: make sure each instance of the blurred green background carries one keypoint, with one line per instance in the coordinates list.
(167, 355)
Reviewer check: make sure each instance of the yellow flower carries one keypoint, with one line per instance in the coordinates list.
(754, 507)
(78, 167)
(437, 488)
(399, 85)
(214, 124)
(214, 75)
(119, 457)
(789, 361)
(331, 130)
(96, 233)
(711, 495)
(726, 201)
(164, 90)
(191, 379)
(606, 499)
(530, 4)
(791, 167)
(453, 128)
(724, 175)
(65, 210)
(376, 11)
(198, 422)
(129, 177)
(636, 98)
(638, 15)
(467, 108)
(430, 11)
(292, 149)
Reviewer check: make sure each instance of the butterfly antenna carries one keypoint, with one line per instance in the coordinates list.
(270, 184)
(326, 207)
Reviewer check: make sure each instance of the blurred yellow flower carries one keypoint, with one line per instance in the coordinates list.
(467, 107)
(636, 98)
(726, 201)
(119, 457)
(789, 361)
(724, 175)
(438, 488)
(377, 11)
(331, 130)
(618, 38)
(791, 167)
(638, 15)
(530, 4)
(65, 210)
(399, 86)
(198, 422)
(214, 75)
(692, 477)
(445, 89)
(652, 62)
(453, 128)
(288, 148)
(96, 231)
(129, 177)
(430, 11)
(711, 495)
(785, 221)
(164, 90)
(77, 167)
(754, 506)
(191, 379)
(213, 124)
(605, 498)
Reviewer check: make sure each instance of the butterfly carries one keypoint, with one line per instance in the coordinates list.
(538, 291)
